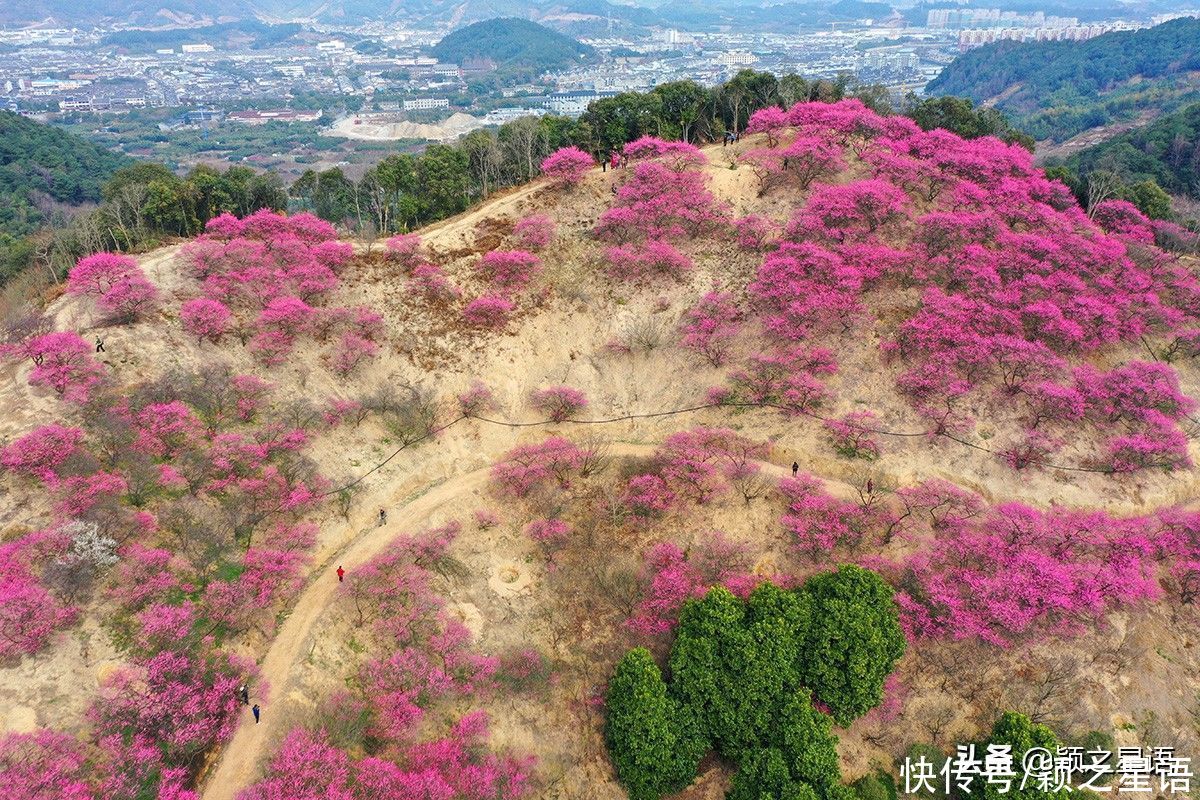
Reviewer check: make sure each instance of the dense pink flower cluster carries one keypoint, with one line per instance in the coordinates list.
(491, 311)
(530, 467)
(405, 249)
(535, 232)
(659, 202)
(309, 767)
(853, 434)
(508, 270)
(567, 166)
(116, 282)
(789, 379)
(646, 261)
(267, 277)
(753, 232)
(803, 161)
(29, 613)
(44, 765)
(550, 533)
(819, 522)
(42, 452)
(673, 154)
(1000, 574)
(1016, 285)
(695, 466)
(476, 399)
(669, 577)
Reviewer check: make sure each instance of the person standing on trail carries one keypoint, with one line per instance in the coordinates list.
(795, 468)
(870, 486)
(341, 573)
(99, 345)
(256, 711)
(614, 159)
(244, 693)
(382, 518)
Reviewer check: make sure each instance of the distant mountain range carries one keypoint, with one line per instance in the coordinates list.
(1054, 90)
(576, 17)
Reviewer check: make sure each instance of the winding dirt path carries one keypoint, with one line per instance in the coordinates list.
(241, 759)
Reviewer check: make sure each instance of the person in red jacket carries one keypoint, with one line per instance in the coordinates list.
(341, 573)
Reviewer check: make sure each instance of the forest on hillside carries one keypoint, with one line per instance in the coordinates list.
(41, 166)
(1053, 90)
(1166, 151)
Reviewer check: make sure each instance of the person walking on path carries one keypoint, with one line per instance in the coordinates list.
(244, 692)
(614, 159)
(382, 518)
(795, 468)
(256, 711)
(99, 345)
(341, 573)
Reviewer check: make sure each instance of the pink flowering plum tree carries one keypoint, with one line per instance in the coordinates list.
(648, 497)
(29, 613)
(97, 274)
(853, 434)
(183, 699)
(332, 255)
(534, 232)
(702, 463)
(63, 362)
(820, 524)
(550, 534)
(1014, 573)
(558, 402)
(801, 162)
(789, 379)
(490, 312)
(351, 351)
(658, 202)
(670, 576)
(647, 261)
(675, 155)
(567, 166)
(476, 400)
(769, 121)
(45, 765)
(41, 453)
(850, 211)
(405, 250)
(527, 468)
(288, 315)
(753, 232)
(507, 270)
(1124, 220)
(805, 288)
(711, 326)
(116, 282)
(205, 318)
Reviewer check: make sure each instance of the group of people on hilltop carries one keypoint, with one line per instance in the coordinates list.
(614, 159)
